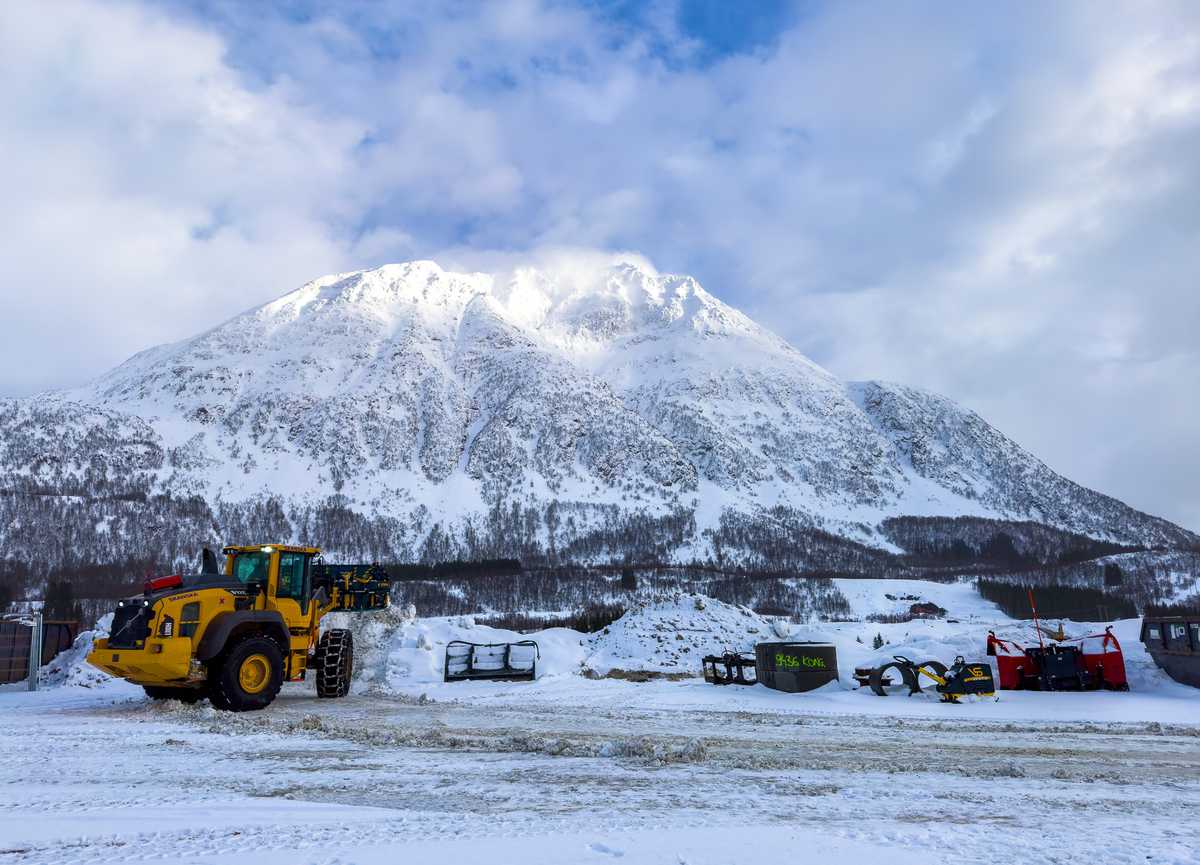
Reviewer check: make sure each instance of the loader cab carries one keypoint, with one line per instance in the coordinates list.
(278, 576)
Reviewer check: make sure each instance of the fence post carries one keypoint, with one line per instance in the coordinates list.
(35, 652)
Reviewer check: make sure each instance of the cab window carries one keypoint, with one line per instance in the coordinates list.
(293, 578)
(251, 567)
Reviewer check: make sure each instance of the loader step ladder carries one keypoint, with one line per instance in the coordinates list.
(504, 661)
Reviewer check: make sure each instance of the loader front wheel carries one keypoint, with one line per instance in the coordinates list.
(248, 676)
(334, 662)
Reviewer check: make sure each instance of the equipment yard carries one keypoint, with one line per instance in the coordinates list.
(589, 762)
(571, 770)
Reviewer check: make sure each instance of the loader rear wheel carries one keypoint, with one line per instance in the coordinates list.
(247, 676)
(334, 662)
(183, 695)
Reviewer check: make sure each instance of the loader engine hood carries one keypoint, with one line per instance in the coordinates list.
(132, 618)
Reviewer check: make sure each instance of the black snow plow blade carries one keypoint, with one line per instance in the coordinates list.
(505, 661)
(732, 668)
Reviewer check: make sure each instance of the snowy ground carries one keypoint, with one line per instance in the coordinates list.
(571, 769)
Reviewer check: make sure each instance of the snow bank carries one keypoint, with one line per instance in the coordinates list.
(671, 636)
(70, 667)
(394, 649)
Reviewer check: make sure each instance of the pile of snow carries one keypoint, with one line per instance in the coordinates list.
(671, 636)
(70, 667)
(394, 649)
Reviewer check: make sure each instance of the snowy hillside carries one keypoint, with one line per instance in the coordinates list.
(409, 412)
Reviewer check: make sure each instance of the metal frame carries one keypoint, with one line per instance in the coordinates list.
(506, 671)
(35, 651)
(730, 668)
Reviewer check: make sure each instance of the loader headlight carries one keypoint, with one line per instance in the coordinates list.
(166, 628)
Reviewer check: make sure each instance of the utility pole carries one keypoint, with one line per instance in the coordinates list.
(35, 651)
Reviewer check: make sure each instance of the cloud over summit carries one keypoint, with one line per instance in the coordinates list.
(1002, 205)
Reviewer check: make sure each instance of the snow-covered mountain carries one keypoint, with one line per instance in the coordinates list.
(430, 404)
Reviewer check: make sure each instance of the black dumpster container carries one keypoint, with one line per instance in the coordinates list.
(795, 667)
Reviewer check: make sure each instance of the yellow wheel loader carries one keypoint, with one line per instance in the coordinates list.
(236, 635)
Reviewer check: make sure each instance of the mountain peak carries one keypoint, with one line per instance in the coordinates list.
(431, 397)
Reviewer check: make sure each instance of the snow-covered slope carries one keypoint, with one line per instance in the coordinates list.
(425, 399)
(672, 635)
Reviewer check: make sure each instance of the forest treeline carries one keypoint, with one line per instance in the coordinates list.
(1056, 601)
(103, 540)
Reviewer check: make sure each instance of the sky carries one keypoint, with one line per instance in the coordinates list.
(999, 202)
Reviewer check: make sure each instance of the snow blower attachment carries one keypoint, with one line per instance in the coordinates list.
(1081, 664)
(902, 676)
(512, 662)
(730, 669)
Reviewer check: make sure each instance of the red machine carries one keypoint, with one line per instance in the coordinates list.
(1081, 664)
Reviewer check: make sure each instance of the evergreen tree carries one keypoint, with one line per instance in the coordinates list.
(629, 581)
(1112, 575)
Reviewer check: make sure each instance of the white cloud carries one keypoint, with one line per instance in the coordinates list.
(998, 204)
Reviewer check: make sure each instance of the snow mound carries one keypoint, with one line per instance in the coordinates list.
(394, 649)
(671, 636)
(70, 667)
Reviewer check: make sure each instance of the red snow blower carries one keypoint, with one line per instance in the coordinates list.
(1076, 664)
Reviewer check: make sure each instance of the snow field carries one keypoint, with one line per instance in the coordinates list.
(571, 768)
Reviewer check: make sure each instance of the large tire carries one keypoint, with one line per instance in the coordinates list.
(183, 695)
(247, 676)
(334, 663)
